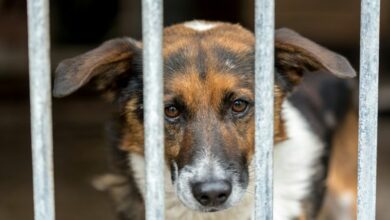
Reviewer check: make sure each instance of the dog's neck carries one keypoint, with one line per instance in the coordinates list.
(294, 166)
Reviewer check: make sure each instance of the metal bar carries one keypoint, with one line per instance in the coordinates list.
(368, 108)
(264, 96)
(40, 101)
(152, 27)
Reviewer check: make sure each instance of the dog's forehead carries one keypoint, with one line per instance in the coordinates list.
(232, 36)
(207, 59)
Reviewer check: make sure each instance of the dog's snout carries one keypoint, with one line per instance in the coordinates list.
(212, 193)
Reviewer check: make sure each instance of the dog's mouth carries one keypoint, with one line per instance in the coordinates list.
(211, 210)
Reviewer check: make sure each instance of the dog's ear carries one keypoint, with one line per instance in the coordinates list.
(104, 63)
(295, 54)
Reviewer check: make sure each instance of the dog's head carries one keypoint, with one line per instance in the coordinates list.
(209, 100)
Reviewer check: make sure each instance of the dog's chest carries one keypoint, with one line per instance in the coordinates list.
(295, 163)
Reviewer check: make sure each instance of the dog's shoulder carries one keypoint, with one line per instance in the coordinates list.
(322, 102)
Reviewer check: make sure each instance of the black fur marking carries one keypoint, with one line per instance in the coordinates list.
(173, 173)
(226, 103)
(131, 86)
(225, 55)
(176, 62)
(201, 63)
(282, 81)
(240, 63)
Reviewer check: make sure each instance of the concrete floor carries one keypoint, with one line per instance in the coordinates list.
(79, 155)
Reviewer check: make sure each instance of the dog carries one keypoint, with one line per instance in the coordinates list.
(209, 123)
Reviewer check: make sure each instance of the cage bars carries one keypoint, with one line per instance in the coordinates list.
(40, 107)
(152, 27)
(264, 101)
(368, 108)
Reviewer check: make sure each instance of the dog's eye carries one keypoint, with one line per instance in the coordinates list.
(239, 106)
(171, 111)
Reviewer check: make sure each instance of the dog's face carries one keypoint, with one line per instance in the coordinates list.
(208, 100)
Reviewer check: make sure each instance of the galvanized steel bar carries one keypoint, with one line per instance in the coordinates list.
(40, 101)
(368, 108)
(152, 27)
(264, 96)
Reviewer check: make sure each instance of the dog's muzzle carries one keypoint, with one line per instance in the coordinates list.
(208, 185)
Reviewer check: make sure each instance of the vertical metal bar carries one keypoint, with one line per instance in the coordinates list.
(264, 96)
(152, 27)
(40, 101)
(368, 108)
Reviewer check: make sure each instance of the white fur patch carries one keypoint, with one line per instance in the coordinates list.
(200, 25)
(294, 165)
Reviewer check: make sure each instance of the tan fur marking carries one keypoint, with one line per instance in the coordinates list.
(279, 129)
(342, 179)
(302, 217)
(218, 84)
(251, 140)
(133, 140)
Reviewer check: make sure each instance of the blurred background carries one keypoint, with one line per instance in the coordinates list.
(79, 120)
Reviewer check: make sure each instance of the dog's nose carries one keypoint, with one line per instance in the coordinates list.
(212, 193)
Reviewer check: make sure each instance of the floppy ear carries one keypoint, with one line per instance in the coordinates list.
(295, 54)
(105, 63)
